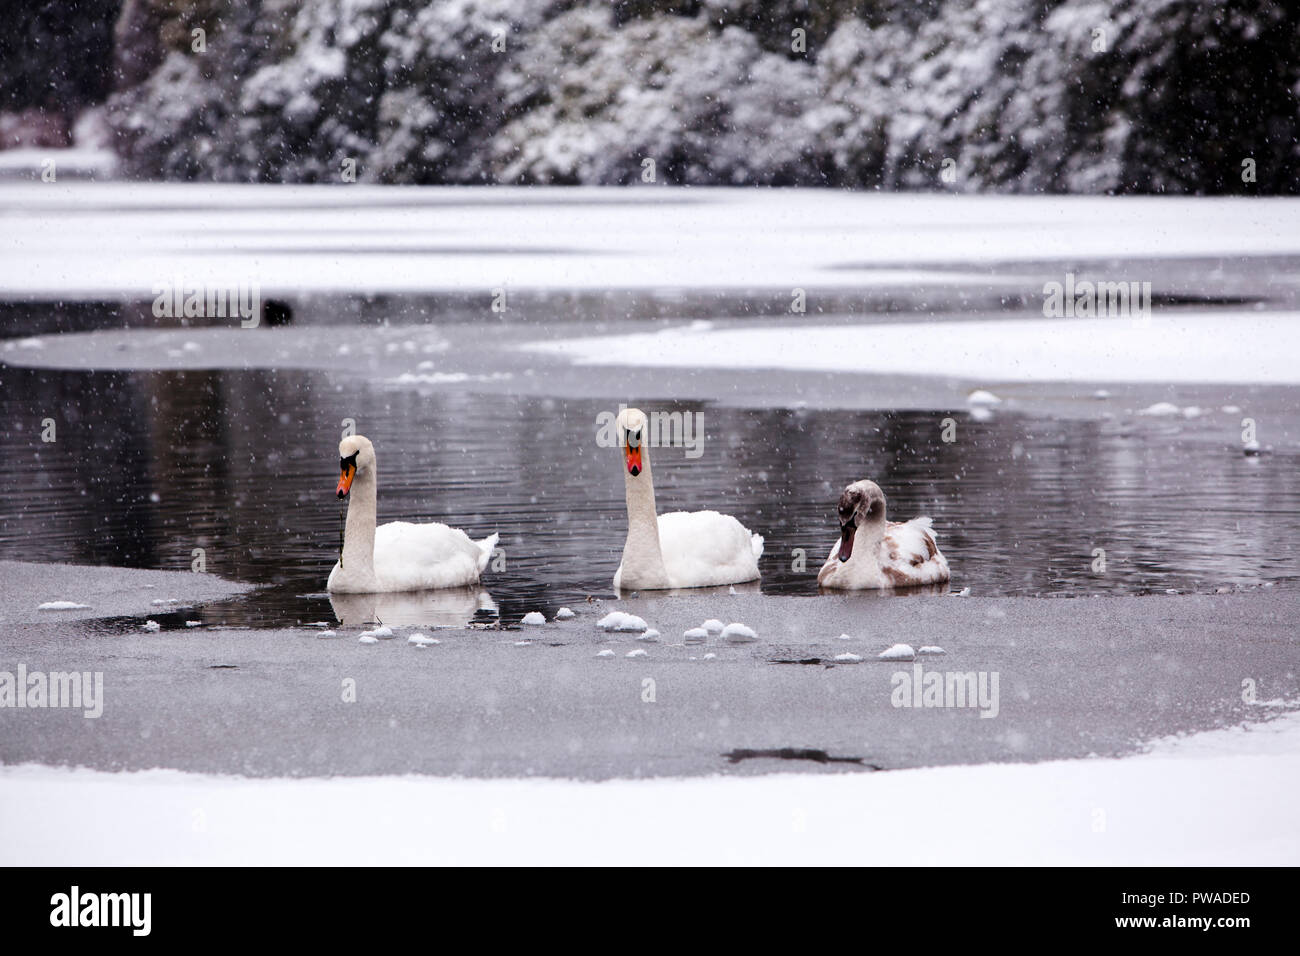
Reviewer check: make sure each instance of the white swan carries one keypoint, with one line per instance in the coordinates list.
(398, 556)
(875, 553)
(681, 549)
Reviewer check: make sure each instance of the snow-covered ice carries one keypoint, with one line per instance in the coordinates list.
(1226, 347)
(1233, 788)
(62, 606)
(533, 618)
(721, 238)
(153, 627)
(563, 614)
(421, 640)
(695, 635)
(897, 652)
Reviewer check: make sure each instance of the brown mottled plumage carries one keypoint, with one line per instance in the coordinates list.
(875, 553)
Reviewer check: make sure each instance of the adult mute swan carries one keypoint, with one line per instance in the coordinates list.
(695, 549)
(398, 556)
(875, 553)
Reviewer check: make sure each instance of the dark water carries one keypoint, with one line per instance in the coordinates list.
(149, 466)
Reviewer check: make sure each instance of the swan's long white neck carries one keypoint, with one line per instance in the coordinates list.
(359, 532)
(643, 560)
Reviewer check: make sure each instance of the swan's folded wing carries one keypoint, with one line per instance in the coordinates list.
(910, 555)
(704, 548)
(409, 557)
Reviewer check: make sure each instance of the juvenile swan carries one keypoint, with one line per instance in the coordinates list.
(681, 549)
(874, 553)
(398, 556)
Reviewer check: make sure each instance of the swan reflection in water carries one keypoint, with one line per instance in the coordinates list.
(721, 590)
(446, 607)
(941, 589)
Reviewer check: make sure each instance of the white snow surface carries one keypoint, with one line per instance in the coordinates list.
(738, 633)
(1214, 348)
(61, 606)
(533, 618)
(1220, 798)
(70, 239)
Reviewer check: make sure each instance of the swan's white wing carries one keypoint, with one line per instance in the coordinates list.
(411, 557)
(705, 549)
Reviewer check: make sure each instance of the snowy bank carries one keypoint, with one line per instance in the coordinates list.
(1222, 798)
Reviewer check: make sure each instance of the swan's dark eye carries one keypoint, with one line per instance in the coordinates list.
(348, 462)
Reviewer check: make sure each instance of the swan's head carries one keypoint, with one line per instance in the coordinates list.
(632, 433)
(862, 503)
(356, 454)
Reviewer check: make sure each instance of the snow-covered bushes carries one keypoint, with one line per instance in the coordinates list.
(1081, 96)
(441, 103)
(1018, 95)
(707, 106)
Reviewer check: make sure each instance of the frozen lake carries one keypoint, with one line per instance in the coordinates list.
(224, 439)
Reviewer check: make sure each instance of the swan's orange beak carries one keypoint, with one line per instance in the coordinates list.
(633, 458)
(349, 471)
